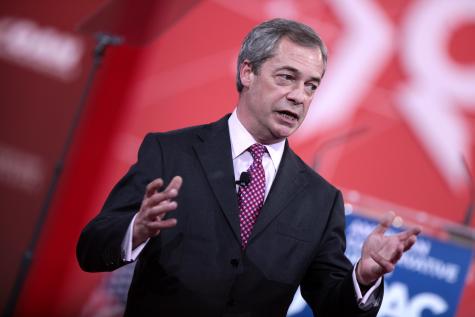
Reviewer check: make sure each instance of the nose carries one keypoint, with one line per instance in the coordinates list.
(297, 94)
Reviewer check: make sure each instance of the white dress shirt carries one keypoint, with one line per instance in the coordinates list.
(241, 140)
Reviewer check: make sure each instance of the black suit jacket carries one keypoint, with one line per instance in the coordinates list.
(198, 268)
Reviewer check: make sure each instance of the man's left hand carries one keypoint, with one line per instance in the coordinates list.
(380, 253)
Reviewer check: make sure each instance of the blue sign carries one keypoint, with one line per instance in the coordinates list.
(428, 280)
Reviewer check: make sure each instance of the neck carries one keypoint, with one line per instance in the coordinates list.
(245, 118)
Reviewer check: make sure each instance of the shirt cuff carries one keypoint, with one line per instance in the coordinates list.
(369, 300)
(128, 254)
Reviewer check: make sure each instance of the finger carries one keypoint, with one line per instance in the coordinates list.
(386, 265)
(385, 223)
(411, 232)
(396, 253)
(391, 250)
(170, 192)
(159, 198)
(153, 186)
(174, 184)
(163, 224)
(161, 210)
(409, 243)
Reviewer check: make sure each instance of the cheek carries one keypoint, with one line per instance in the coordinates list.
(305, 110)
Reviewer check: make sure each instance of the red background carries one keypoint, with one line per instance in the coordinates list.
(182, 73)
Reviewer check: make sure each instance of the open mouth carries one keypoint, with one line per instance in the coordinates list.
(288, 115)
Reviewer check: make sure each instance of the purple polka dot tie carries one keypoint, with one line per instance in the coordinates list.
(251, 196)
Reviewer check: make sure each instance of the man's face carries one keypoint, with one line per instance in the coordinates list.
(274, 102)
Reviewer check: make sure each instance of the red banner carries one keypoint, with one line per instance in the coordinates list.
(393, 118)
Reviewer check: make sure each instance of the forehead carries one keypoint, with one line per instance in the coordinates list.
(306, 60)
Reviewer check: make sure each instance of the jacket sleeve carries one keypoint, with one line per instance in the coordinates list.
(328, 285)
(99, 246)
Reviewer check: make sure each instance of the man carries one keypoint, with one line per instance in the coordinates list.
(208, 247)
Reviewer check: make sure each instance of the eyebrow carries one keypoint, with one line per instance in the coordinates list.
(295, 70)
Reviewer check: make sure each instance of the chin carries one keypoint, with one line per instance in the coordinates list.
(282, 132)
(283, 135)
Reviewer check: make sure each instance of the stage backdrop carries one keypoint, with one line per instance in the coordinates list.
(394, 118)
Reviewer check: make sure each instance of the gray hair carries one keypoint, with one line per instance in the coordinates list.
(260, 44)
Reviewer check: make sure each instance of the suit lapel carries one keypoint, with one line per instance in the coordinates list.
(288, 183)
(214, 153)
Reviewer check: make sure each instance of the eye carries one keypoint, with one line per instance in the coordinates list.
(311, 87)
(284, 78)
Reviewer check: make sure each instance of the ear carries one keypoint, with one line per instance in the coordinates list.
(246, 74)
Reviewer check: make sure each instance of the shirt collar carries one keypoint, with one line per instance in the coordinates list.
(241, 140)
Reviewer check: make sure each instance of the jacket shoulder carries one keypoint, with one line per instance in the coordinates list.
(188, 135)
(314, 177)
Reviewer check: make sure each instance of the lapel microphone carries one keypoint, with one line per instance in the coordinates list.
(244, 179)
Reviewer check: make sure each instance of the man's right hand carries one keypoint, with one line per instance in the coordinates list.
(155, 205)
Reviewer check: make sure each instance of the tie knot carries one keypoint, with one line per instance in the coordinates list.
(257, 151)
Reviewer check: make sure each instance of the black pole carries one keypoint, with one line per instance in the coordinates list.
(102, 42)
(336, 141)
(467, 220)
